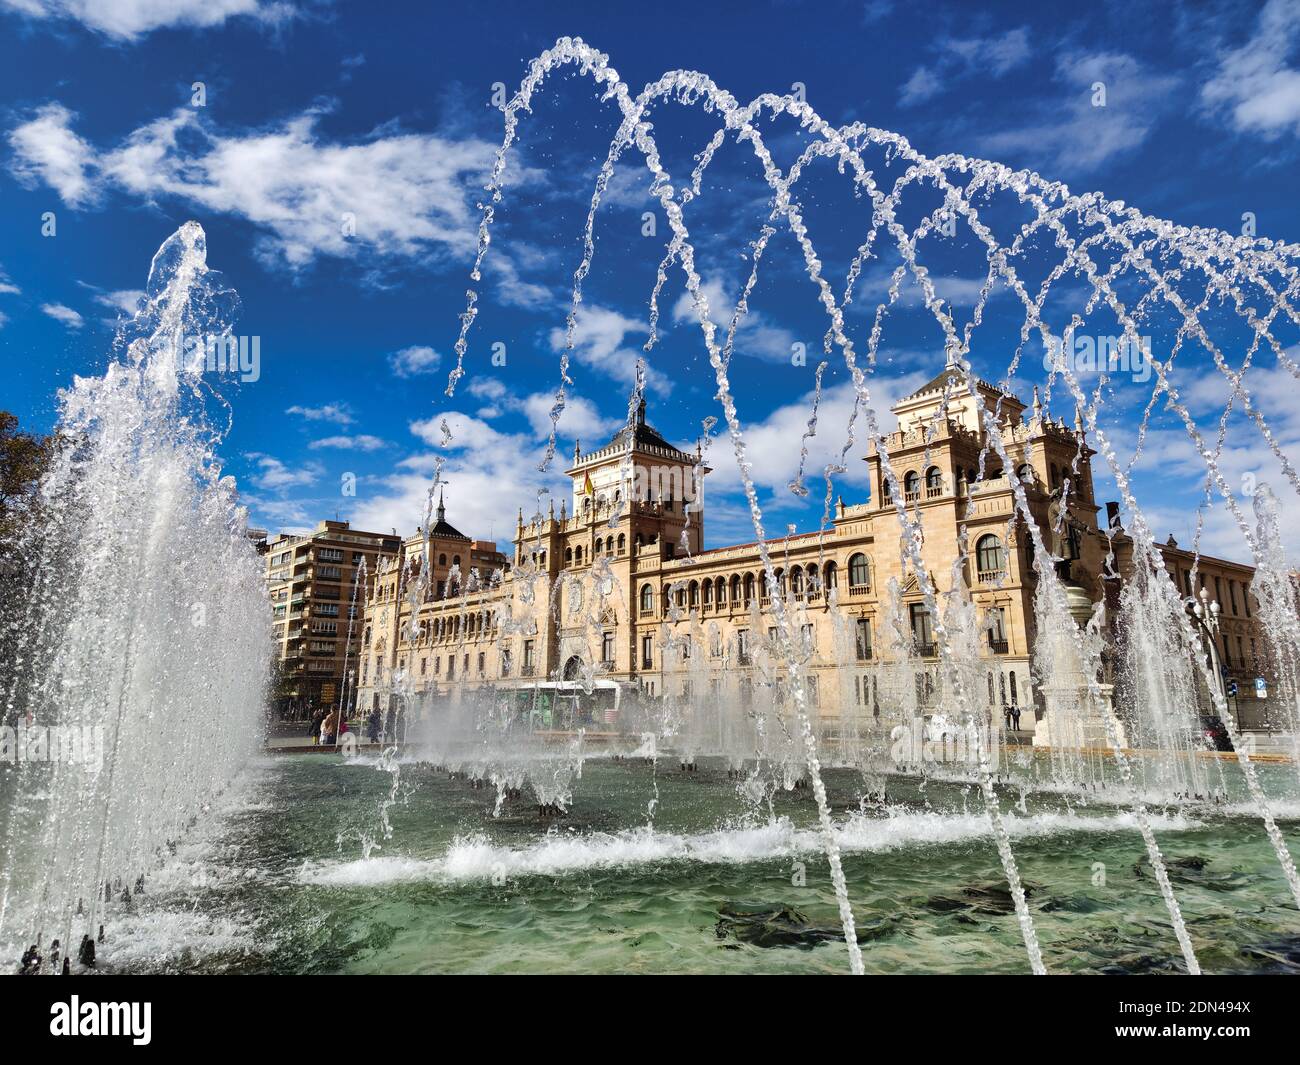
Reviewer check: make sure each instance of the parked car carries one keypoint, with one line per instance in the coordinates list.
(1215, 732)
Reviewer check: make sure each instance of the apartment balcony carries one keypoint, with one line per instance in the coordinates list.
(991, 576)
(998, 647)
(927, 650)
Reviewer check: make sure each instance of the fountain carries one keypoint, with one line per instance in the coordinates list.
(144, 645)
(770, 759)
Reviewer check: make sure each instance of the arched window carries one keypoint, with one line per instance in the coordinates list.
(681, 596)
(568, 556)
(911, 485)
(694, 596)
(780, 581)
(813, 580)
(647, 598)
(442, 560)
(796, 582)
(831, 577)
(749, 588)
(735, 588)
(720, 591)
(859, 573)
(989, 557)
(577, 555)
(708, 593)
(622, 543)
(1025, 475)
(599, 544)
(933, 482)
(455, 561)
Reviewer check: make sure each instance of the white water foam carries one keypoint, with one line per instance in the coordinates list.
(476, 857)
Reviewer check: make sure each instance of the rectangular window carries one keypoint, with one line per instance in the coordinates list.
(647, 652)
(808, 640)
(607, 648)
(529, 664)
(922, 632)
(686, 646)
(862, 639)
(451, 666)
(742, 647)
(811, 688)
(506, 662)
(997, 631)
(482, 663)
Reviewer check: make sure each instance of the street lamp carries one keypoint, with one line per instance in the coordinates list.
(1206, 612)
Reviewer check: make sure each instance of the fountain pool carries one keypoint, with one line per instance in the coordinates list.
(269, 886)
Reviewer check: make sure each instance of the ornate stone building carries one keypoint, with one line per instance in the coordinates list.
(619, 585)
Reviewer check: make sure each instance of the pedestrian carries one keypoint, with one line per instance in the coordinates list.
(374, 721)
(328, 728)
(86, 956)
(1015, 718)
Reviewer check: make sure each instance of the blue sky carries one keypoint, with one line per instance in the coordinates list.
(309, 111)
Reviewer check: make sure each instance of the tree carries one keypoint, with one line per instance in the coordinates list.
(24, 458)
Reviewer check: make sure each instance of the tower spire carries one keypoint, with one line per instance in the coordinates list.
(442, 510)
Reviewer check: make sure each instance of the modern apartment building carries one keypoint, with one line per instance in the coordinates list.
(317, 605)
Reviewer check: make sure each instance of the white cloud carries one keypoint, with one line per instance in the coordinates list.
(601, 342)
(395, 194)
(921, 86)
(125, 300)
(276, 476)
(1254, 86)
(413, 360)
(46, 150)
(127, 20)
(359, 442)
(579, 420)
(338, 413)
(66, 315)
(7, 287)
(488, 475)
(773, 444)
(757, 336)
(1073, 134)
(960, 57)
